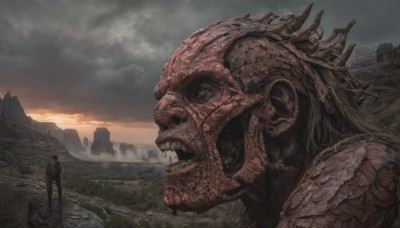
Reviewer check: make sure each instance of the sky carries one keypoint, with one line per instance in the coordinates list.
(85, 63)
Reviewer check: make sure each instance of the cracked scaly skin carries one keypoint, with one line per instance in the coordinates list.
(264, 79)
(355, 183)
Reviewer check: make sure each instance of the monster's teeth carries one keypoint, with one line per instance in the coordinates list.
(162, 147)
(173, 146)
(173, 167)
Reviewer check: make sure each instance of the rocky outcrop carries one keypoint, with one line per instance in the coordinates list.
(387, 53)
(86, 143)
(12, 112)
(126, 148)
(27, 149)
(382, 68)
(77, 217)
(72, 141)
(23, 203)
(102, 143)
(48, 128)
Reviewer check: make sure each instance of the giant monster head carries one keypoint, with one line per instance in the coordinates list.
(234, 87)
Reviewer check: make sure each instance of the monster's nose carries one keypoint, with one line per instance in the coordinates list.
(170, 118)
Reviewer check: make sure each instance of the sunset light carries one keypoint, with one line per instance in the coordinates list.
(66, 120)
(143, 133)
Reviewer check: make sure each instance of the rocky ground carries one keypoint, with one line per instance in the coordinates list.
(25, 204)
(23, 201)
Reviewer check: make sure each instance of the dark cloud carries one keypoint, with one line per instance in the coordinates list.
(103, 58)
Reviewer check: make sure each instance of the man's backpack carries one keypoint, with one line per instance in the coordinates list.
(53, 170)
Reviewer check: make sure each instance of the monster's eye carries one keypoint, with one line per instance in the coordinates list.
(201, 91)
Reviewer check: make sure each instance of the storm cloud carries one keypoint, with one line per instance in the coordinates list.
(103, 58)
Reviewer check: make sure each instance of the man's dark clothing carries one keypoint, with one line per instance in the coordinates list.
(53, 172)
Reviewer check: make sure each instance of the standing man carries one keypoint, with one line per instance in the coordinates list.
(54, 171)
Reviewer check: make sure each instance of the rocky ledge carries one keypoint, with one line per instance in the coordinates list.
(25, 205)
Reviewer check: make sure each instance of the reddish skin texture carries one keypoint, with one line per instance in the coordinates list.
(353, 184)
(260, 77)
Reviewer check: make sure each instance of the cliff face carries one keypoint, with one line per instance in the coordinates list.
(72, 141)
(48, 128)
(23, 147)
(382, 68)
(101, 143)
(12, 112)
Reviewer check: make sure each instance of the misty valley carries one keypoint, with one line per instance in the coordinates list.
(112, 184)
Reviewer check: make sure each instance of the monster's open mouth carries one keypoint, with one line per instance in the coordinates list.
(185, 156)
(230, 145)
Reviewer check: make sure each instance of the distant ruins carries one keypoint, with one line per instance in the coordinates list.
(101, 143)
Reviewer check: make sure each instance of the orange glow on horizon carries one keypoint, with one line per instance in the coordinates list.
(65, 120)
(143, 133)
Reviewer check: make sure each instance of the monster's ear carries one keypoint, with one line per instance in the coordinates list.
(281, 107)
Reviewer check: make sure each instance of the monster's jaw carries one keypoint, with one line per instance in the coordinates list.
(202, 177)
(186, 158)
(230, 145)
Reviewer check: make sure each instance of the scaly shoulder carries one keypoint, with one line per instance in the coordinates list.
(353, 183)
